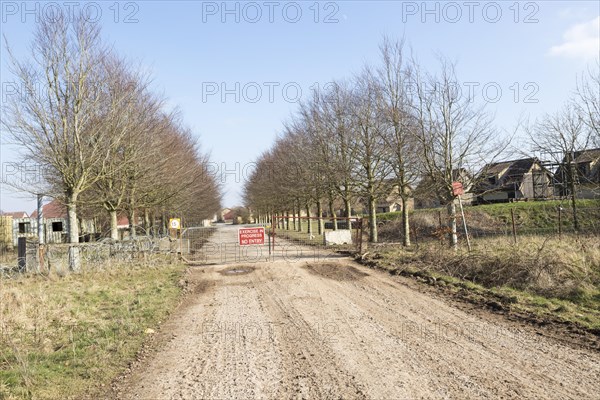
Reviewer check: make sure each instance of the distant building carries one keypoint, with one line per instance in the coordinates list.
(55, 222)
(17, 224)
(586, 164)
(393, 202)
(524, 179)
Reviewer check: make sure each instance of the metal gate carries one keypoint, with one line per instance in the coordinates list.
(219, 244)
(306, 239)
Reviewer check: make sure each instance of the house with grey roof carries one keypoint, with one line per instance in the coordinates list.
(505, 181)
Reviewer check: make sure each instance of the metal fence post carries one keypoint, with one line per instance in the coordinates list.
(22, 254)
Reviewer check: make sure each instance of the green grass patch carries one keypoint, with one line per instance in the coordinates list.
(66, 337)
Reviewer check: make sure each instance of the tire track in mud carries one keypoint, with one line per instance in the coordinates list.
(312, 369)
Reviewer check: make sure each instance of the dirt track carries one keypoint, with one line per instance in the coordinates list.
(333, 329)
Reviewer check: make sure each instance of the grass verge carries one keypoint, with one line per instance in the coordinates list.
(557, 279)
(68, 337)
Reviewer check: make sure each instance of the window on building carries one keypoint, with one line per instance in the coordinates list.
(492, 180)
(24, 227)
(57, 226)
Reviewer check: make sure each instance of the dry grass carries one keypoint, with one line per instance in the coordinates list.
(548, 271)
(544, 265)
(63, 337)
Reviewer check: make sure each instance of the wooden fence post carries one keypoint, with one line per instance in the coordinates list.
(440, 227)
(559, 222)
(514, 226)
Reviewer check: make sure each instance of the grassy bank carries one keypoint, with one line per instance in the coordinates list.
(546, 276)
(530, 218)
(66, 337)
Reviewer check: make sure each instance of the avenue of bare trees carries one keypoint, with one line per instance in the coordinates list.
(104, 141)
(392, 128)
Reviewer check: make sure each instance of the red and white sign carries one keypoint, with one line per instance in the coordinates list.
(250, 236)
(457, 189)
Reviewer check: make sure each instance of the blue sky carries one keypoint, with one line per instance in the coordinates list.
(261, 53)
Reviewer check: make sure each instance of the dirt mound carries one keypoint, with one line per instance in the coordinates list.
(237, 270)
(335, 271)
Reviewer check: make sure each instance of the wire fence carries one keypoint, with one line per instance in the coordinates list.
(514, 222)
(61, 258)
(511, 221)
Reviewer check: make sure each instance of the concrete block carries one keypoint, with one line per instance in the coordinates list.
(341, 236)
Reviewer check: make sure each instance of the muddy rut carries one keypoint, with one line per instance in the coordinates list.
(334, 329)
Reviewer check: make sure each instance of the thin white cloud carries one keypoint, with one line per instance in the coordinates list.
(574, 13)
(580, 41)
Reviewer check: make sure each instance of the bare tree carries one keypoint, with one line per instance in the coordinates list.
(58, 126)
(337, 124)
(561, 136)
(394, 80)
(587, 100)
(454, 132)
(128, 110)
(371, 169)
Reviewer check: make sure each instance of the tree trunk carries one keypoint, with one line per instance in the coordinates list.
(114, 230)
(332, 212)
(147, 221)
(152, 223)
(72, 219)
(348, 211)
(320, 216)
(294, 218)
(405, 222)
(372, 220)
(299, 218)
(308, 219)
(74, 259)
(131, 216)
(452, 225)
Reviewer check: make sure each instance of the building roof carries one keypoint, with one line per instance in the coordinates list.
(589, 155)
(54, 209)
(229, 215)
(122, 221)
(509, 174)
(496, 168)
(16, 214)
(514, 168)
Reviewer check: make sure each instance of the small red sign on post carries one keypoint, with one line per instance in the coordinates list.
(457, 189)
(251, 236)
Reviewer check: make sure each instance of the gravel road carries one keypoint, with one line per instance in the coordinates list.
(330, 328)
